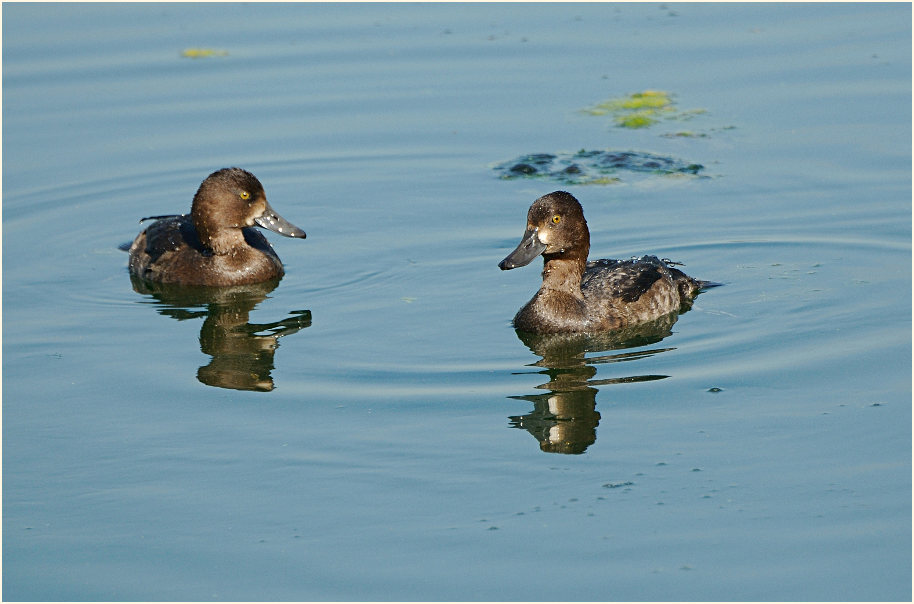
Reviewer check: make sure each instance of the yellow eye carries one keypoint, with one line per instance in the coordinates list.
(245, 195)
(556, 219)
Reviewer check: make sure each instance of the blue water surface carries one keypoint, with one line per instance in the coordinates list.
(373, 428)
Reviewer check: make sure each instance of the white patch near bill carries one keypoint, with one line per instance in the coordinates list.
(553, 405)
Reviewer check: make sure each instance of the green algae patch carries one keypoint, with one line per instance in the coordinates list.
(641, 109)
(638, 119)
(685, 134)
(594, 167)
(697, 134)
(202, 53)
(649, 100)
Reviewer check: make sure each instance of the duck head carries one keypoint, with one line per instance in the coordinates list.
(232, 199)
(556, 229)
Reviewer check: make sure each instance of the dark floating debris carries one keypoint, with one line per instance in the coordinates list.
(595, 167)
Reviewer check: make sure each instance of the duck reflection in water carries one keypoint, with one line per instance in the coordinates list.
(565, 419)
(242, 352)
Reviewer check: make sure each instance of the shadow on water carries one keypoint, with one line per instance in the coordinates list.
(565, 419)
(242, 352)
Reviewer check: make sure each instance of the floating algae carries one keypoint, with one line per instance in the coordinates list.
(641, 109)
(607, 166)
(693, 134)
(202, 53)
(596, 167)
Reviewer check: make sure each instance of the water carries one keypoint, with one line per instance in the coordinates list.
(397, 443)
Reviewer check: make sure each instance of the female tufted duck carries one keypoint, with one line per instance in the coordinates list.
(587, 297)
(215, 244)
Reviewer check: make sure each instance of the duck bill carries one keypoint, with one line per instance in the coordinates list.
(529, 248)
(276, 223)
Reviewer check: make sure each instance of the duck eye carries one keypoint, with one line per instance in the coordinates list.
(245, 195)
(556, 219)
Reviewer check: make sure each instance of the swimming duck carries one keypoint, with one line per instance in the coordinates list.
(215, 244)
(578, 296)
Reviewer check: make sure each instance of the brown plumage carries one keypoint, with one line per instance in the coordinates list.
(578, 296)
(216, 243)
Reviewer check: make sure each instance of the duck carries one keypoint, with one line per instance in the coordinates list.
(581, 296)
(216, 244)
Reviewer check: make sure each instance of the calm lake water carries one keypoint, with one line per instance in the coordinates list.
(373, 428)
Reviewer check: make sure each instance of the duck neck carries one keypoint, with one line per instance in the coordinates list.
(221, 241)
(563, 273)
